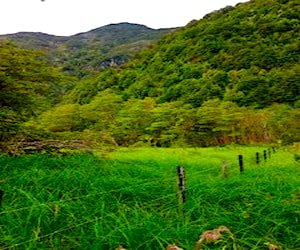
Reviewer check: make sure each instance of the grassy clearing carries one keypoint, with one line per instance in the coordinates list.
(129, 198)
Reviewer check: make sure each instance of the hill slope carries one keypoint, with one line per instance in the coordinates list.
(248, 54)
(91, 51)
(216, 81)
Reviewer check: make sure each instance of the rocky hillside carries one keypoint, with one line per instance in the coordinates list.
(89, 52)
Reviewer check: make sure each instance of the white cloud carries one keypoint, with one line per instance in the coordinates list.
(67, 17)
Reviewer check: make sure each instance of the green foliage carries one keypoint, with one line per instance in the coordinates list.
(172, 123)
(133, 121)
(62, 118)
(199, 80)
(247, 54)
(130, 198)
(232, 77)
(285, 122)
(100, 113)
(22, 79)
(27, 86)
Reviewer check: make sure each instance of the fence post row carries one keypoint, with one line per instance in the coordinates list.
(181, 174)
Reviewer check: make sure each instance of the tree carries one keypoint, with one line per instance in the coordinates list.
(172, 122)
(27, 87)
(63, 118)
(133, 121)
(101, 113)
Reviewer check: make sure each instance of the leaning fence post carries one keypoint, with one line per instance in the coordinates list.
(241, 163)
(181, 184)
(224, 169)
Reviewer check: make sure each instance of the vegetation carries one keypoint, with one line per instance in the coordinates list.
(230, 78)
(28, 87)
(247, 54)
(130, 199)
(143, 122)
(86, 53)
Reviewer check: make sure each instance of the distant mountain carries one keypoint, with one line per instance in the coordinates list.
(89, 52)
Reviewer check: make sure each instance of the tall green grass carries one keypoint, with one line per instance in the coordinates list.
(129, 198)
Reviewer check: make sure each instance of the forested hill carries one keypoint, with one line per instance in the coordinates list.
(89, 52)
(231, 77)
(248, 54)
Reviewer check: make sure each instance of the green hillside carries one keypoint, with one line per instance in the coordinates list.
(229, 78)
(248, 54)
(88, 52)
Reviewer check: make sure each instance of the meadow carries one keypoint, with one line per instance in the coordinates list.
(129, 197)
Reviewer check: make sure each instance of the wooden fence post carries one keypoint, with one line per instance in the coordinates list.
(257, 158)
(181, 184)
(1, 196)
(241, 163)
(224, 169)
(265, 155)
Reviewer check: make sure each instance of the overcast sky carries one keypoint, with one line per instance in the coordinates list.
(68, 17)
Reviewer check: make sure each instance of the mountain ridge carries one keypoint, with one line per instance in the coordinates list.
(86, 52)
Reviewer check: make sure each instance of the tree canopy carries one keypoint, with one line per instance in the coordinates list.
(27, 86)
(248, 54)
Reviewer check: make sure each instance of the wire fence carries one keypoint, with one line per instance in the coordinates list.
(174, 194)
(144, 184)
(85, 222)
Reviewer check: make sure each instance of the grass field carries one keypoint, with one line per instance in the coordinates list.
(129, 197)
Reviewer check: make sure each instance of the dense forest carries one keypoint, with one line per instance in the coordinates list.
(231, 77)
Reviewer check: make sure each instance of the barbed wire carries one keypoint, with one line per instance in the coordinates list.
(62, 201)
(85, 222)
(197, 174)
(51, 234)
(104, 192)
